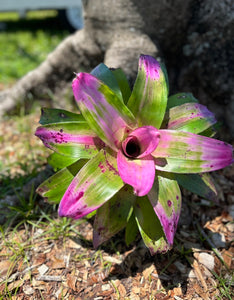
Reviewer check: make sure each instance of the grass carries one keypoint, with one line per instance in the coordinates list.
(26, 42)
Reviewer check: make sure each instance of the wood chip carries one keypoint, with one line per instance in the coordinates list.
(73, 244)
(113, 260)
(148, 271)
(6, 268)
(106, 287)
(201, 292)
(206, 259)
(50, 278)
(199, 275)
(228, 257)
(71, 281)
(28, 290)
(177, 291)
(122, 290)
(42, 269)
(15, 284)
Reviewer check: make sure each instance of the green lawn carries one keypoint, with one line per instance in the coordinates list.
(25, 43)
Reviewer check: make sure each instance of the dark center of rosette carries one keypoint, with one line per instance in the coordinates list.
(132, 148)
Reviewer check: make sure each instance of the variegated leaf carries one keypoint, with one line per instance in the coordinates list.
(165, 197)
(150, 227)
(148, 100)
(95, 184)
(108, 117)
(113, 216)
(184, 152)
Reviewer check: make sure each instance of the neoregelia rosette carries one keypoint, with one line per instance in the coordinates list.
(126, 153)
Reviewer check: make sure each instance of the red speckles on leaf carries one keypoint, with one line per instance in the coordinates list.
(80, 195)
(102, 167)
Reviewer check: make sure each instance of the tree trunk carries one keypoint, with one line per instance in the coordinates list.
(193, 37)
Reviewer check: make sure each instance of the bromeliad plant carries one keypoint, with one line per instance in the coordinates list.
(125, 154)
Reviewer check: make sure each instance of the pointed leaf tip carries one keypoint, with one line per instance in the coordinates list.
(165, 197)
(151, 66)
(185, 152)
(148, 100)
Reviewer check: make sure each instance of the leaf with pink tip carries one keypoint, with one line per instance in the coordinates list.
(52, 189)
(190, 117)
(95, 183)
(113, 216)
(74, 139)
(105, 113)
(165, 197)
(139, 173)
(148, 100)
(150, 227)
(184, 152)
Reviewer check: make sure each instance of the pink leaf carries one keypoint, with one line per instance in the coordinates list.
(141, 142)
(139, 173)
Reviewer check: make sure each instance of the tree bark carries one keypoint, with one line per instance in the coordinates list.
(193, 37)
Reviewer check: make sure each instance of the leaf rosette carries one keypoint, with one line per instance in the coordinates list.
(124, 156)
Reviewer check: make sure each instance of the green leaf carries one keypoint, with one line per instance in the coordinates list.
(123, 84)
(113, 216)
(54, 187)
(59, 161)
(53, 116)
(164, 69)
(131, 230)
(148, 100)
(103, 73)
(179, 99)
(149, 226)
